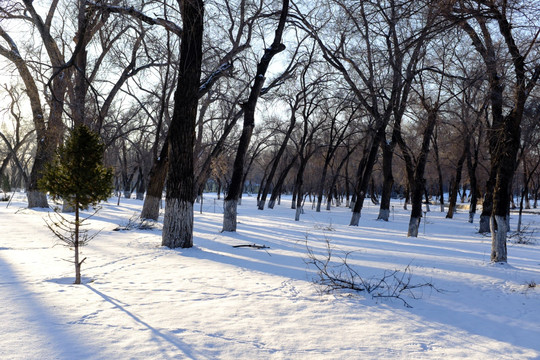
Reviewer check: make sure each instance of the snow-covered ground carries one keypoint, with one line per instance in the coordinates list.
(215, 301)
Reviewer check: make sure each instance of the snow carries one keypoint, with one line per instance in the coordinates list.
(140, 300)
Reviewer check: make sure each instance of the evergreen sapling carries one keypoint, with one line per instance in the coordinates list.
(77, 176)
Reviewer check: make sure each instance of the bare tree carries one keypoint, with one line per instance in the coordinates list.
(178, 221)
(233, 193)
(490, 26)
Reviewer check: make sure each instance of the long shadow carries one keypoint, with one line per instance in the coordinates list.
(501, 327)
(181, 346)
(37, 323)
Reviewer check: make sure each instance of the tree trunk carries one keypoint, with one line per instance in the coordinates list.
(298, 188)
(276, 160)
(76, 247)
(439, 170)
(415, 173)
(364, 172)
(471, 168)
(417, 191)
(320, 187)
(156, 182)
(279, 183)
(229, 215)
(457, 181)
(140, 185)
(426, 194)
(178, 221)
(505, 156)
(235, 187)
(388, 181)
(499, 228)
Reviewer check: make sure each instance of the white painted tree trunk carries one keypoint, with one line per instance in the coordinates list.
(150, 208)
(229, 215)
(384, 214)
(442, 207)
(36, 199)
(355, 219)
(471, 217)
(414, 224)
(498, 239)
(484, 224)
(178, 224)
(271, 204)
(298, 213)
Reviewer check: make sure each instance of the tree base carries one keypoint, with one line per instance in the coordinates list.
(229, 215)
(355, 219)
(384, 214)
(178, 224)
(299, 211)
(150, 208)
(414, 224)
(484, 224)
(498, 239)
(36, 199)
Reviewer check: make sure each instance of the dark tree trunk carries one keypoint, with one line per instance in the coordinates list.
(471, 168)
(320, 186)
(178, 221)
(156, 183)
(140, 185)
(487, 205)
(415, 171)
(235, 187)
(276, 160)
(343, 162)
(457, 181)
(298, 189)
(388, 181)
(364, 173)
(280, 181)
(439, 170)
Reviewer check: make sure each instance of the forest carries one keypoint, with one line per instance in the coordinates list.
(334, 102)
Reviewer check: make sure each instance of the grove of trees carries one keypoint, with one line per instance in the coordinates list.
(332, 101)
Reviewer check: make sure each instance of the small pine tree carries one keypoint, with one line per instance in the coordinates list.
(77, 175)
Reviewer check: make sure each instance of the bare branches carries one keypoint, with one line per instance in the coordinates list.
(131, 11)
(338, 275)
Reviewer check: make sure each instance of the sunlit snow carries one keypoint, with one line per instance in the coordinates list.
(140, 300)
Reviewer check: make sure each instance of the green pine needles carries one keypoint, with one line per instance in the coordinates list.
(77, 176)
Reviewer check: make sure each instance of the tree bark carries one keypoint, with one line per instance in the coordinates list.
(178, 221)
(156, 183)
(388, 181)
